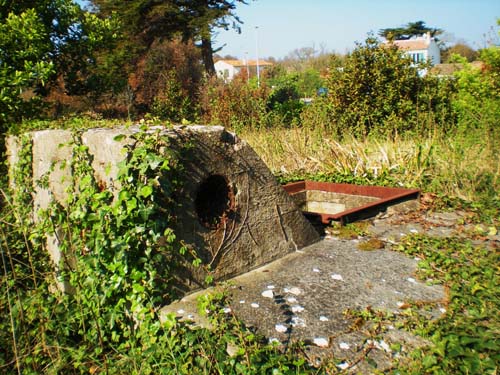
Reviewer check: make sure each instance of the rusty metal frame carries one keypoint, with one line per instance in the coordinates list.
(386, 195)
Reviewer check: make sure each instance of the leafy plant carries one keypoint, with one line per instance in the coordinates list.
(465, 339)
(119, 254)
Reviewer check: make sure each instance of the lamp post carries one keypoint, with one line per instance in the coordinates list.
(257, 54)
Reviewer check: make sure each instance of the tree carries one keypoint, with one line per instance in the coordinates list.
(461, 49)
(148, 21)
(41, 42)
(410, 30)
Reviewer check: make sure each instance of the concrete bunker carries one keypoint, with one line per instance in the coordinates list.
(230, 208)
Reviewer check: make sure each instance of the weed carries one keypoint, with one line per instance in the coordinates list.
(351, 230)
(371, 244)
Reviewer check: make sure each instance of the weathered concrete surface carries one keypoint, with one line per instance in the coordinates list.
(304, 295)
(263, 224)
(328, 202)
(231, 209)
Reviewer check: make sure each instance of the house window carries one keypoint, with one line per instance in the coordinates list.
(418, 57)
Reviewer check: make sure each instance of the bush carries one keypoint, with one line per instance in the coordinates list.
(378, 90)
(235, 105)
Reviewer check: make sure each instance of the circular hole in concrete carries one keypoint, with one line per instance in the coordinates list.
(214, 201)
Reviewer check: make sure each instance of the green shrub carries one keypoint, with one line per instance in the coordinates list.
(378, 90)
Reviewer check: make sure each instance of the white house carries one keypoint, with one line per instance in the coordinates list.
(228, 69)
(420, 49)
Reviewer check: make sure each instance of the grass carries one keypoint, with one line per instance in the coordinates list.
(448, 165)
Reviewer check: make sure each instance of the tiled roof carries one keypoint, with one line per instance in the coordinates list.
(240, 63)
(408, 45)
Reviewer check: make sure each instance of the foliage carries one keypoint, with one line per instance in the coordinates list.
(22, 47)
(461, 49)
(465, 339)
(379, 90)
(410, 30)
(236, 105)
(119, 254)
(148, 22)
(43, 41)
(167, 80)
(284, 99)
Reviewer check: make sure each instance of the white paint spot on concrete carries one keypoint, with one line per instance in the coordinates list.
(321, 342)
(255, 305)
(297, 308)
(281, 328)
(343, 365)
(344, 346)
(298, 322)
(323, 318)
(383, 345)
(337, 277)
(295, 291)
(268, 294)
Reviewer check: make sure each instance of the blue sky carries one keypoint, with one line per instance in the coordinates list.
(284, 25)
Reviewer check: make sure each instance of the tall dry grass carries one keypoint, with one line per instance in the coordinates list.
(435, 163)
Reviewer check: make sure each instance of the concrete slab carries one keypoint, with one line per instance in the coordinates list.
(304, 296)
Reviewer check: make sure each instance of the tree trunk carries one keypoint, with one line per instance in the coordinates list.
(206, 52)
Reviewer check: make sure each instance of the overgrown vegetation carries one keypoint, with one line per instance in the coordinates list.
(465, 339)
(369, 118)
(117, 264)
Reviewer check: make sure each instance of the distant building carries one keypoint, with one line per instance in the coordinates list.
(420, 49)
(228, 69)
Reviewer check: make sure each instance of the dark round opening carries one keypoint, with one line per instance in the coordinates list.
(214, 201)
